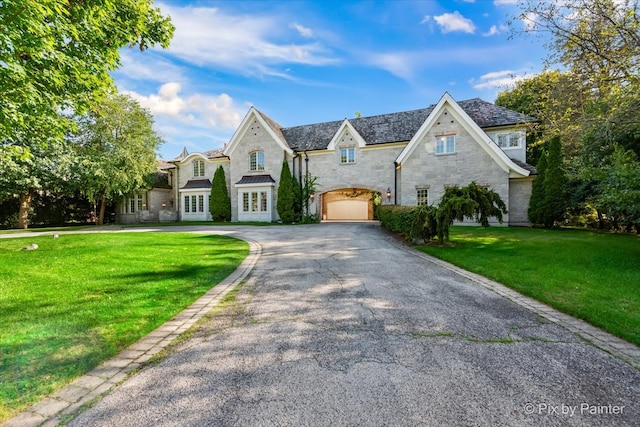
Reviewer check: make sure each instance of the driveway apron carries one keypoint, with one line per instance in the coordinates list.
(339, 325)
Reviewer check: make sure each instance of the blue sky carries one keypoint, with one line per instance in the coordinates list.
(307, 62)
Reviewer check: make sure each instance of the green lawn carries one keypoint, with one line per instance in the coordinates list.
(592, 276)
(80, 299)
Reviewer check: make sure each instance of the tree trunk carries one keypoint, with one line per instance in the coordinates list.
(103, 205)
(25, 206)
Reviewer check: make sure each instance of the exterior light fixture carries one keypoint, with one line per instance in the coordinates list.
(144, 206)
(312, 196)
(164, 205)
(388, 194)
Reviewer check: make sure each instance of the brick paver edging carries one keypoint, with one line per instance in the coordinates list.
(618, 347)
(102, 379)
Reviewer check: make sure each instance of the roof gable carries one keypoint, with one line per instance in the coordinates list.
(344, 129)
(449, 104)
(270, 126)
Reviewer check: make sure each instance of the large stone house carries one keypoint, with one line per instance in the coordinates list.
(410, 158)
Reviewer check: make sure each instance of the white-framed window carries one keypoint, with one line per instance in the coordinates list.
(256, 161)
(347, 155)
(255, 201)
(134, 204)
(446, 144)
(510, 140)
(186, 204)
(422, 196)
(198, 168)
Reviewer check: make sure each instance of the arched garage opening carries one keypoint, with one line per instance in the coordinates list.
(347, 204)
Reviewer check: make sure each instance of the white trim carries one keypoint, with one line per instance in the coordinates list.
(253, 114)
(470, 126)
(346, 126)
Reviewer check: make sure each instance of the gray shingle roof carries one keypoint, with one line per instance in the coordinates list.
(214, 154)
(197, 183)
(526, 166)
(396, 127)
(256, 179)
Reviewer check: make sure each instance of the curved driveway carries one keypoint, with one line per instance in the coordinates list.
(339, 325)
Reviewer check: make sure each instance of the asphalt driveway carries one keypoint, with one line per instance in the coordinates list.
(339, 325)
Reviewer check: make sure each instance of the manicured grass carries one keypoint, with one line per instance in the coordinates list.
(592, 276)
(80, 299)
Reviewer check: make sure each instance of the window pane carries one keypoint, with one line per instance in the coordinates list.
(186, 203)
(193, 204)
(139, 202)
(514, 140)
(351, 153)
(451, 144)
(260, 160)
(200, 203)
(502, 141)
(439, 145)
(245, 202)
(263, 201)
(422, 196)
(254, 202)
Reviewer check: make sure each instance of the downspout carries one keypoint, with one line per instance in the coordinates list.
(306, 163)
(395, 183)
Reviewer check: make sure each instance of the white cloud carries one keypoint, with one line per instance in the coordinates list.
(246, 43)
(499, 79)
(198, 110)
(400, 64)
(503, 2)
(529, 21)
(495, 30)
(304, 31)
(147, 66)
(451, 22)
(426, 19)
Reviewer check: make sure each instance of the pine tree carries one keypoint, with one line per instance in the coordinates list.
(286, 195)
(537, 191)
(219, 201)
(555, 203)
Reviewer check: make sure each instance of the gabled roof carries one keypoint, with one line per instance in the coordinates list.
(397, 127)
(345, 127)
(447, 103)
(214, 154)
(272, 128)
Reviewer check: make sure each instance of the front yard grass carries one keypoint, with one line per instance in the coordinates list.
(80, 299)
(591, 276)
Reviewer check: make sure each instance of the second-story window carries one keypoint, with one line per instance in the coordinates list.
(256, 161)
(198, 168)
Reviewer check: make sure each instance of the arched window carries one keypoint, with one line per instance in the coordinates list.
(256, 161)
(198, 168)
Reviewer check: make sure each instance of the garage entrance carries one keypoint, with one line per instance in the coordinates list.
(348, 204)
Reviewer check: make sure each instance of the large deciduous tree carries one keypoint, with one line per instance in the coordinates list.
(116, 147)
(55, 58)
(57, 54)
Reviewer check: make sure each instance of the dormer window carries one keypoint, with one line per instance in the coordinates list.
(198, 168)
(256, 161)
(510, 140)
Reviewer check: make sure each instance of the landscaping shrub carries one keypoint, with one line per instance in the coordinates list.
(398, 219)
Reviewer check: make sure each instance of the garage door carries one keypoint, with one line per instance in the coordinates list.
(348, 210)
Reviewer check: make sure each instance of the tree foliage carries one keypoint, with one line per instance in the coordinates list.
(536, 201)
(592, 105)
(56, 55)
(554, 203)
(220, 202)
(116, 148)
(286, 196)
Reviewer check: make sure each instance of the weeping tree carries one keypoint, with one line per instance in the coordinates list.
(471, 202)
(219, 201)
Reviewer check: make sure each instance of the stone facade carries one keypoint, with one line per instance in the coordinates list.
(401, 156)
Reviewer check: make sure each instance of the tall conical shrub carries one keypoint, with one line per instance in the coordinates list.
(537, 191)
(555, 203)
(286, 195)
(219, 201)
